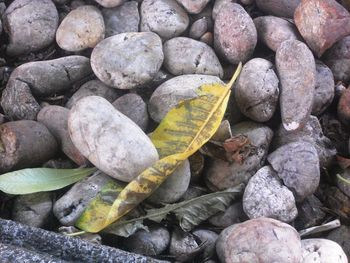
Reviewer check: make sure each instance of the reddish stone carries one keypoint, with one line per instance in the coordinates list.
(322, 23)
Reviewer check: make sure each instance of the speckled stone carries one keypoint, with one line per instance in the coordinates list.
(235, 35)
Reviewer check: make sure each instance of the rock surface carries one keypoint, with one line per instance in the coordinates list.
(297, 73)
(30, 24)
(82, 28)
(121, 19)
(171, 92)
(184, 55)
(235, 35)
(127, 60)
(174, 186)
(297, 165)
(222, 175)
(323, 251)
(272, 31)
(322, 23)
(33, 209)
(261, 240)
(149, 243)
(155, 18)
(72, 204)
(256, 90)
(133, 106)
(266, 196)
(107, 138)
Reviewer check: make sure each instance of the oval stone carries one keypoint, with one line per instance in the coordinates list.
(184, 55)
(82, 28)
(297, 73)
(127, 60)
(110, 140)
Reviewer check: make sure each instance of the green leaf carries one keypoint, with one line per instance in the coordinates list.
(34, 180)
(190, 213)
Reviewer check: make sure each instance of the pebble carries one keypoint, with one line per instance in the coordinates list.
(127, 60)
(209, 237)
(311, 132)
(235, 35)
(107, 138)
(42, 79)
(338, 59)
(266, 196)
(322, 23)
(193, 6)
(133, 107)
(324, 89)
(174, 187)
(282, 8)
(341, 235)
(121, 19)
(310, 213)
(218, 4)
(207, 38)
(272, 31)
(221, 175)
(150, 243)
(110, 3)
(262, 240)
(164, 17)
(297, 73)
(69, 207)
(182, 245)
(297, 165)
(199, 28)
(323, 251)
(232, 215)
(55, 118)
(93, 88)
(82, 28)
(184, 55)
(30, 24)
(171, 92)
(33, 209)
(256, 90)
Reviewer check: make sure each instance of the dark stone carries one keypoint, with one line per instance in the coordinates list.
(20, 243)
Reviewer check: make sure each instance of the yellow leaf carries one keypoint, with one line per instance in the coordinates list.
(180, 134)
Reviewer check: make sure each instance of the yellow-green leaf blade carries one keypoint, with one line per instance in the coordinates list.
(34, 180)
(181, 133)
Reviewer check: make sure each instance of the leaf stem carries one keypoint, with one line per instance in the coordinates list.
(76, 234)
(234, 77)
